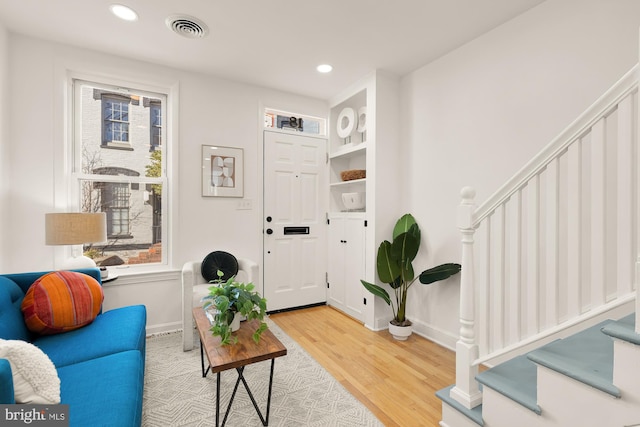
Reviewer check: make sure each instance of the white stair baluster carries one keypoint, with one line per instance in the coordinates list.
(637, 280)
(551, 243)
(574, 229)
(598, 206)
(533, 256)
(514, 268)
(498, 266)
(625, 223)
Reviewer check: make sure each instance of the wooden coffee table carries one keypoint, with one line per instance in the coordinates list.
(239, 355)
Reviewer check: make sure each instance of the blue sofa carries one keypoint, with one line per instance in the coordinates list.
(100, 366)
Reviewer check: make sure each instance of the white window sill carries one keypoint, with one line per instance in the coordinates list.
(119, 145)
(127, 276)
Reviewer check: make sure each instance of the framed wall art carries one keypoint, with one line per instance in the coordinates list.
(222, 171)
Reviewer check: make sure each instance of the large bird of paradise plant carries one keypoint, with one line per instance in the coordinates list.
(394, 267)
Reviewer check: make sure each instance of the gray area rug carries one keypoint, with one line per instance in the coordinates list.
(304, 393)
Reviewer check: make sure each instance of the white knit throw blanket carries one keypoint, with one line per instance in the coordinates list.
(35, 379)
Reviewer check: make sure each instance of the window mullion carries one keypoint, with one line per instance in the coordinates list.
(119, 178)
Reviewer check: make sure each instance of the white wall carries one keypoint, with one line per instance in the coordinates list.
(212, 111)
(477, 115)
(4, 124)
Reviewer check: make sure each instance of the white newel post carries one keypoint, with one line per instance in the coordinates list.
(466, 390)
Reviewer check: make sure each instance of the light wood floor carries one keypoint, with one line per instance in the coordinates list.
(396, 380)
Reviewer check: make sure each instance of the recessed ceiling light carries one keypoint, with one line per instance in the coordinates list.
(123, 12)
(324, 68)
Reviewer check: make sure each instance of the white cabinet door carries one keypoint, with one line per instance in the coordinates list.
(346, 242)
(336, 295)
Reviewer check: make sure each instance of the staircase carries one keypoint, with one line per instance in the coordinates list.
(549, 297)
(587, 379)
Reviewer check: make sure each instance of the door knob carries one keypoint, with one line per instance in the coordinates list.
(269, 219)
(269, 231)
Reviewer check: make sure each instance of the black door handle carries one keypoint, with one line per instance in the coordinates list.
(269, 231)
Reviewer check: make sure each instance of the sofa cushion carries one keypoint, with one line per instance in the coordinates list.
(61, 301)
(6, 383)
(113, 331)
(106, 391)
(12, 326)
(35, 379)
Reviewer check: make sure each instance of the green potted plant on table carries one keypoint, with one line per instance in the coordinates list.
(394, 267)
(228, 302)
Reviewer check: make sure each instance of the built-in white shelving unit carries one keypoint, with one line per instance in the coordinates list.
(360, 232)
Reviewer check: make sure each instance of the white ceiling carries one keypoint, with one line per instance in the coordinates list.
(275, 43)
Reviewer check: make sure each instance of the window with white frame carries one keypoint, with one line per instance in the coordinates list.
(155, 108)
(118, 168)
(115, 113)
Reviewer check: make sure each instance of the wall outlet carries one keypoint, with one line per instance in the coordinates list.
(244, 204)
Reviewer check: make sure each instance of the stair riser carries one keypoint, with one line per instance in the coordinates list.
(453, 418)
(567, 402)
(626, 375)
(500, 411)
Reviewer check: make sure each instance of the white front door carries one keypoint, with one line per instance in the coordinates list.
(294, 220)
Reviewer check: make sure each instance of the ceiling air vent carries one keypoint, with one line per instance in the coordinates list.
(187, 26)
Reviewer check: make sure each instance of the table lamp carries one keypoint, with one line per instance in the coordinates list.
(76, 229)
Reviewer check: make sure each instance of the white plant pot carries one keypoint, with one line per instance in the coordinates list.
(401, 333)
(235, 325)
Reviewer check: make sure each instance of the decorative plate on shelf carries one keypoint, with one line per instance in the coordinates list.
(362, 119)
(346, 122)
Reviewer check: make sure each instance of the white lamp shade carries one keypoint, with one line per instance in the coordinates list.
(75, 228)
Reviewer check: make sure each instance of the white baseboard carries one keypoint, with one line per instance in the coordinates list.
(164, 328)
(437, 335)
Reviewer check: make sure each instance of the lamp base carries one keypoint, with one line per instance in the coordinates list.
(78, 262)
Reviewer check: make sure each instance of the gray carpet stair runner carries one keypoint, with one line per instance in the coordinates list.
(623, 329)
(516, 379)
(586, 357)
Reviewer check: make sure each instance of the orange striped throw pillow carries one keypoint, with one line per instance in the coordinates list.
(61, 301)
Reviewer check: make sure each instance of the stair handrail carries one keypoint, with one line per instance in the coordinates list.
(467, 391)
